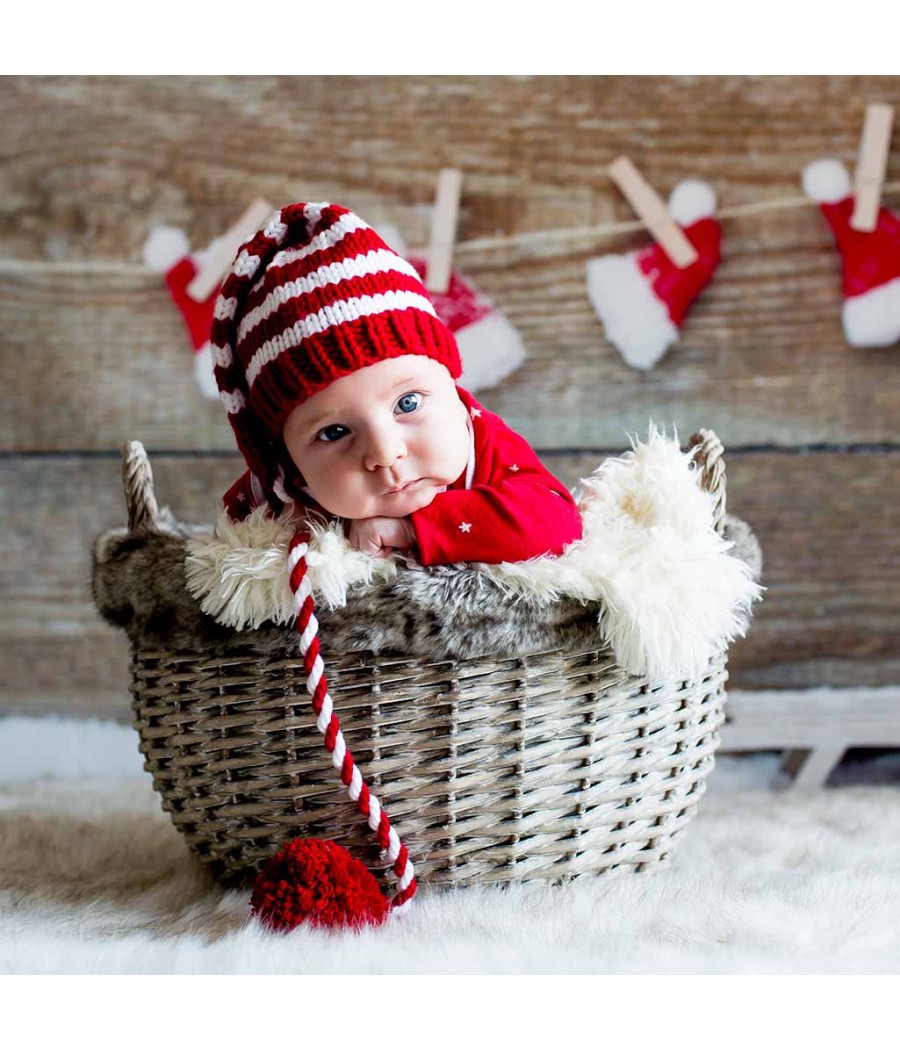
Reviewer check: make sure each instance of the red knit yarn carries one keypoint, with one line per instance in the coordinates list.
(318, 882)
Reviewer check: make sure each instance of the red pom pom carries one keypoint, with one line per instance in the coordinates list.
(317, 881)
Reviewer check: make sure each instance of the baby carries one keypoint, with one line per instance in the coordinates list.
(339, 381)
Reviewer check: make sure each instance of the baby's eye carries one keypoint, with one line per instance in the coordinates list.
(330, 434)
(409, 402)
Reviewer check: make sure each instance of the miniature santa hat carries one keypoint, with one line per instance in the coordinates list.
(167, 251)
(871, 311)
(642, 297)
(489, 344)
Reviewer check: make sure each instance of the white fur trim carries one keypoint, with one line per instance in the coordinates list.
(672, 596)
(203, 371)
(636, 320)
(692, 200)
(671, 593)
(165, 246)
(491, 349)
(873, 318)
(240, 575)
(826, 181)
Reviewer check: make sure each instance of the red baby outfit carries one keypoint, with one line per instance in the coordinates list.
(513, 508)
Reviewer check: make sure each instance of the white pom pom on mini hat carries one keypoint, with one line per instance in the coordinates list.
(826, 181)
(690, 201)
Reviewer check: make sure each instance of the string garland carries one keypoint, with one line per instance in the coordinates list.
(538, 239)
(604, 230)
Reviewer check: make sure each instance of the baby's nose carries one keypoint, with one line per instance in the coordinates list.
(384, 447)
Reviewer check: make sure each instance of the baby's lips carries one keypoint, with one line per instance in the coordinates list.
(404, 486)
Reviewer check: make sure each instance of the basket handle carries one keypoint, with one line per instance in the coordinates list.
(708, 453)
(137, 480)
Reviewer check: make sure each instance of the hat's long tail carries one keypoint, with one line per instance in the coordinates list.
(329, 725)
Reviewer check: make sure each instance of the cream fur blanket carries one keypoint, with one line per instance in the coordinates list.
(669, 590)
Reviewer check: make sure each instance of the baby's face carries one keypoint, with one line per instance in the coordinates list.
(383, 441)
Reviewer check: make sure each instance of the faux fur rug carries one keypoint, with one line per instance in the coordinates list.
(94, 879)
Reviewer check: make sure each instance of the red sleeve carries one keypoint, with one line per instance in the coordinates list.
(516, 510)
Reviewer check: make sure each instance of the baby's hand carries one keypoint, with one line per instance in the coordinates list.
(381, 536)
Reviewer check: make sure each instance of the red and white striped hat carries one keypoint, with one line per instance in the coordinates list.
(315, 295)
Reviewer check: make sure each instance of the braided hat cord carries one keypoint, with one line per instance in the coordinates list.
(329, 725)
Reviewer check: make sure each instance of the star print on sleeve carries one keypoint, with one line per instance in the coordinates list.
(465, 526)
(514, 469)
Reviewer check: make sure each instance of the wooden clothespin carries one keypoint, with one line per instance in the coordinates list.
(871, 166)
(443, 230)
(221, 254)
(651, 210)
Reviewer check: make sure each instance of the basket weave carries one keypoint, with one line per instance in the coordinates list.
(546, 766)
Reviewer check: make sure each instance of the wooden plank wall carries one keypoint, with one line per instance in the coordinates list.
(93, 353)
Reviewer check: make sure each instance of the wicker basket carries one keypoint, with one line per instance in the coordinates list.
(544, 766)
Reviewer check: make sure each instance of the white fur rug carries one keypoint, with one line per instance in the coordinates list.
(94, 879)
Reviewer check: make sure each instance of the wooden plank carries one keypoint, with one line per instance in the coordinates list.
(89, 162)
(828, 526)
(55, 651)
(810, 770)
(763, 361)
(831, 543)
(812, 719)
(814, 727)
(85, 173)
(124, 370)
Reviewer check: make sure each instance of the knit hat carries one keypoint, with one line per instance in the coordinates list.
(642, 297)
(312, 297)
(871, 261)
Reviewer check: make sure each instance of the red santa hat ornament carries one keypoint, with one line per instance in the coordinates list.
(167, 251)
(871, 261)
(489, 345)
(642, 297)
